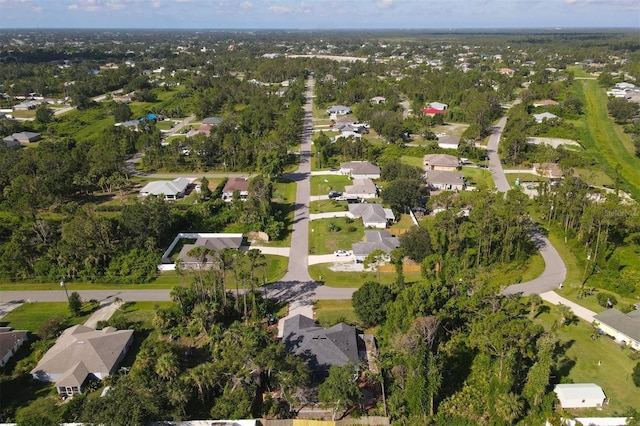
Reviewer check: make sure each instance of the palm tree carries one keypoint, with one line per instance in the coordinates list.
(167, 366)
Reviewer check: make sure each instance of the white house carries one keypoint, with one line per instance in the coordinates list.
(373, 215)
(10, 341)
(624, 328)
(438, 105)
(544, 116)
(338, 110)
(360, 170)
(449, 142)
(580, 395)
(445, 180)
(361, 188)
(170, 189)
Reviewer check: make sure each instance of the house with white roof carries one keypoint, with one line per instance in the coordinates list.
(169, 189)
(580, 395)
(338, 110)
(373, 215)
(544, 116)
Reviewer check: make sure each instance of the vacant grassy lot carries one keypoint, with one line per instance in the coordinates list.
(30, 316)
(328, 206)
(478, 177)
(321, 185)
(356, 279)
(582, 356)
(327, 235)
(331, 312)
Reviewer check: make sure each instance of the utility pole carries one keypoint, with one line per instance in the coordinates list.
(62, 284)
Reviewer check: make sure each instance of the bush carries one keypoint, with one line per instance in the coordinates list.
(606, 300)
(352, 229)
(636, 375)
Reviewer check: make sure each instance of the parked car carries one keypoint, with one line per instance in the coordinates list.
(334, 194)
(341, 198)
(341, 253)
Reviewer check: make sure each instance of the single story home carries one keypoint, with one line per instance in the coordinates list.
(445, 180)
(322, 348)
(213, 242)
(9, 142)
(373, 215)
(23, 137)
(361, 188)
(507, 71)
(374, 240)
(550, 170)
(438, 105)
(432, 111)
(236, 184)
(444, 162)
(378, 100)
(449, 142)
(360, 170)
(213, 121)
(10, 342)
(544, 103)
(81, 353)
(170, 189)
(544, 116)
(624, 328)
(580, 395)
(338, 110)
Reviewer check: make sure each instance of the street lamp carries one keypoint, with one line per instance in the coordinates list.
(62, 284)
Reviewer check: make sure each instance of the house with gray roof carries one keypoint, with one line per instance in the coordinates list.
(373, 215)
(10, 342)
(338, 110)
(624, 328)
(81, 353)
(213, 121)
(374, 240)
(449, 142)
(22, 137)
(212, 242)
(360, 170)
(440, 162)
(321, 348)
(445, 180)
(361, 188)
(169, 189)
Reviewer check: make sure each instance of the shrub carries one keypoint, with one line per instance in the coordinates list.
(352, 229)
(636, 375)
(606, 299)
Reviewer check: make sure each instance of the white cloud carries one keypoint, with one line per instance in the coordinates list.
(384, 4)
(280, 10)
(245, 5)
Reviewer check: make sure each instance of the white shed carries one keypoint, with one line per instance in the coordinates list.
(580, 395)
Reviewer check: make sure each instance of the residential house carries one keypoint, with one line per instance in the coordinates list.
(23, 137)
(338, 110)
(360, 170)
(322, 348)
(373, 215)
(445, 180)
(361, 188)
(440, 162)
(10, 142)
(580, 395)
(378, 100)
(624, 328)
(236, 184)
(212, 242)
(28, 104)
(10, 342)
(507, 71)
(449, 142)
(432, 111)
(81, 353)
(544, 116)
(545, 103)
(169, 189)
(374, 240)
(550, 170)
(213, 121)
(438, 105)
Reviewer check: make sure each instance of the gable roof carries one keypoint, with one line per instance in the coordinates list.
(625, 323)
(9, 338)
(321, 348)
(370, 213)
(441, 160)
(445, 177)
(432, 111)
(97, 350)
(361, 186)
(544, 116)
(166, 187)
(215, 243)
(360, 168)
(375, 240)
(214, 121)
(580, 391)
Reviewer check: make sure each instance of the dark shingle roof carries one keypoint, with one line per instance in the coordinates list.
(626, 324)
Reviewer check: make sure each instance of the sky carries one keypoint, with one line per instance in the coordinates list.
(319, 14)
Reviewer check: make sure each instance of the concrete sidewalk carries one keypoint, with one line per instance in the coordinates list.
(102, 314)
(555, 299)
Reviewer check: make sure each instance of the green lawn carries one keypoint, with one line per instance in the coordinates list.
(480, 178)
(321, 185)
(328, 206)
(584, 353)
(355, 279)
(601, 138)
(595, 177)
(324, 241)
(331, 312)
(30, 316)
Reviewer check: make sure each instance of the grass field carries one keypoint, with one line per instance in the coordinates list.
(30, 316)
(331, 312)
(583, 354)
(356, 279)
(321, 185)
(478, 177)
(324, 241)
(328, 206)
(601, 137)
